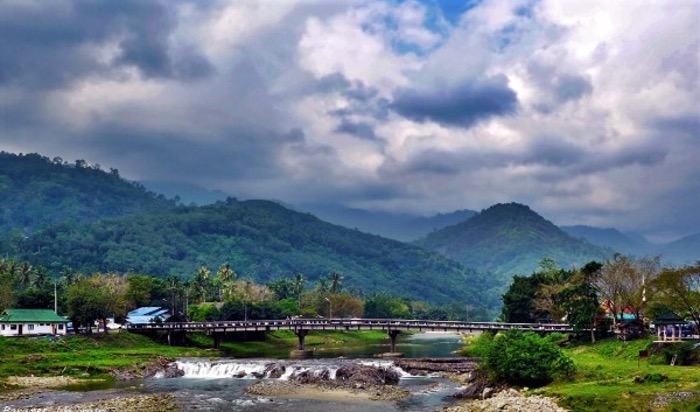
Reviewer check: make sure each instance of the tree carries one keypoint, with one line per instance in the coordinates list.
(548, 297)
(336, 279)
(525, 359)
(224, 281)
(201, 284)
(680, 289)
(580, 299)
(382, 305)
(87, 302)
(621, 284)
(518, 300)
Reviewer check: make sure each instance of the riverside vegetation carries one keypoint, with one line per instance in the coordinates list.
(607, 375)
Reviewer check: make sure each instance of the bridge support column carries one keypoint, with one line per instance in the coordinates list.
(217, 339)
(301, 352)
(393, 334)
(301, 334)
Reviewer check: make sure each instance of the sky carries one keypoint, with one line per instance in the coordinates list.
(587, 111)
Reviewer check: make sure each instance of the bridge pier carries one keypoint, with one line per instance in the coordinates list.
(217, 339)
(301, 352)
(393, 334)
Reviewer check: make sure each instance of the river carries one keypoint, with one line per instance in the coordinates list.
(219, 384)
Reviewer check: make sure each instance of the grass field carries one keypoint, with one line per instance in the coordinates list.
(611, 377)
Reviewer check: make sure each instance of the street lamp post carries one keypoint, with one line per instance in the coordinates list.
(330, 308)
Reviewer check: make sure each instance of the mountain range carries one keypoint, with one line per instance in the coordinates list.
(75, 216)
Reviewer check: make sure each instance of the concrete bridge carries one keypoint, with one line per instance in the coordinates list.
(301, 327)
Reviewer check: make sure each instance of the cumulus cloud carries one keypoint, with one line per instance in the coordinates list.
(588, 111)
(462, 106)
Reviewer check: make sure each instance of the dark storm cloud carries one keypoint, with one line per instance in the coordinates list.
(357, 129)
(51, 44)
(460, 106)
(243, 153)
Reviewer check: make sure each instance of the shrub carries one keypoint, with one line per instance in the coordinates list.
(526, 359)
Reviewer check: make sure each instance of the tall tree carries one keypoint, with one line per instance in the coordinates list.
(580, 299)
(201, 284)
(336, 279)
(224, 281)
(621, 284)
(679, 288)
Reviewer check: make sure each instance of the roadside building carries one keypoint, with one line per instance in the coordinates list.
(31, 322)
(149, 314)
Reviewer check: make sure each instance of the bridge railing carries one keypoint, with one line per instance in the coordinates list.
(349, 322)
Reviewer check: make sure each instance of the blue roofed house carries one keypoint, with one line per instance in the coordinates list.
(148, 314)
(31, 322)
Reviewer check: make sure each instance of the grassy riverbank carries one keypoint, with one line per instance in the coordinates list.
(95, 356)
(611, 376)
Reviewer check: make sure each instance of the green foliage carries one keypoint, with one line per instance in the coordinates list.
(262, 241)
(611, 376)
(525, 359)
(518, 300)
(87, 303)
(203, 312)
(382, 305)
(36, 191)
(509, 239)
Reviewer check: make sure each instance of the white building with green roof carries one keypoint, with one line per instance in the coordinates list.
(31, 322)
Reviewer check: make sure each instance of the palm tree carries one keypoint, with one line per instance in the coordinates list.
(201, 284)
(40, 278)
(224, 279)
(336, 279)
(25, 275)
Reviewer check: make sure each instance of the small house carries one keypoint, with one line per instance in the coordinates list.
(31, 322)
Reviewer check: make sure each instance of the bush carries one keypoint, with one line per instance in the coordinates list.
(525, 359)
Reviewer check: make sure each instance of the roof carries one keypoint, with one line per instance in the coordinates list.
(669, 318)
(148, 311)
(146, 314)
(31, 315)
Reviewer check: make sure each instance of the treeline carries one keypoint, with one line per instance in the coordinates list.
(207, 295)
(627, 292)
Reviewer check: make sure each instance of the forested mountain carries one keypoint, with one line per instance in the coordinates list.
(611, 238)
(683, 251)
(261, 240)
(37, 191)
(679, 252)
(188, 193)
(510, 239)
(399, 226)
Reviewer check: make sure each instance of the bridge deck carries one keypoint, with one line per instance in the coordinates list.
(348, 324)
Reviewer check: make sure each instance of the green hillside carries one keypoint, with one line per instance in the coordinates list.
(510, 239)
(261, 240)
(36, 191)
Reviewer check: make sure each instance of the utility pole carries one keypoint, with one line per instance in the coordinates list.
(55, 295)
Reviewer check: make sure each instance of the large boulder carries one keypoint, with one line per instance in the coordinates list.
(364, 375)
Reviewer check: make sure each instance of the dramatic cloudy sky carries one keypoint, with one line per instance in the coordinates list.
(588, 111)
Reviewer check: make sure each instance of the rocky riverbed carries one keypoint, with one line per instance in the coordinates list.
(509, 400)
